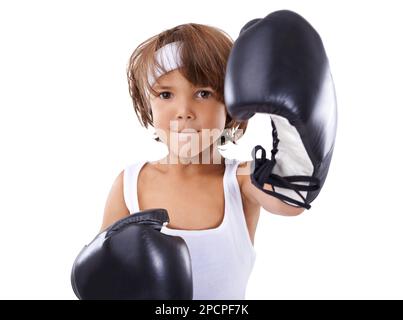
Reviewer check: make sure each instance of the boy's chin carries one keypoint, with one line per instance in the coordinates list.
(193, 155)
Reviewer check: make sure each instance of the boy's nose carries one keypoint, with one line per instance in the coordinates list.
(185, 114)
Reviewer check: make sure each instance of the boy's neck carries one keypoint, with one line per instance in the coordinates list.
(204, 163)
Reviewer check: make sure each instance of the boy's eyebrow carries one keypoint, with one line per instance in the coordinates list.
(162, 87)
(157, 86)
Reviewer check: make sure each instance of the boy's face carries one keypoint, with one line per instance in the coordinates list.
(180, 107)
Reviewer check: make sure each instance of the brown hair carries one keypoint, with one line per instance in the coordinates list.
(204, 53)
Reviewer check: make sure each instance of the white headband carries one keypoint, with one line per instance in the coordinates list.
(169, 58)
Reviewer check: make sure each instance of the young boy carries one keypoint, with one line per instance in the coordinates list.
(176, 81)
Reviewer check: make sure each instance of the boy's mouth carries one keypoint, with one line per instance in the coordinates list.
(187, 131)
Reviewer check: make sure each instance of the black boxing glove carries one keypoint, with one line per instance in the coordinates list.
(132, 259)
(278, 65)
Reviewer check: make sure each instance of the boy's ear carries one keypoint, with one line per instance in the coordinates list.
(155, 137)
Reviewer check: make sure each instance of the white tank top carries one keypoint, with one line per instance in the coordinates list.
(222, 257)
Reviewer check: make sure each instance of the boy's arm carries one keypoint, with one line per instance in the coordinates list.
(115, 207)
(255, 195)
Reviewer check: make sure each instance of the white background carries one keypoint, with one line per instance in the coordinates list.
(67, 128)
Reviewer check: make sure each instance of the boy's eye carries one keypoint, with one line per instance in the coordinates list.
(165, 95)
(206, 93)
